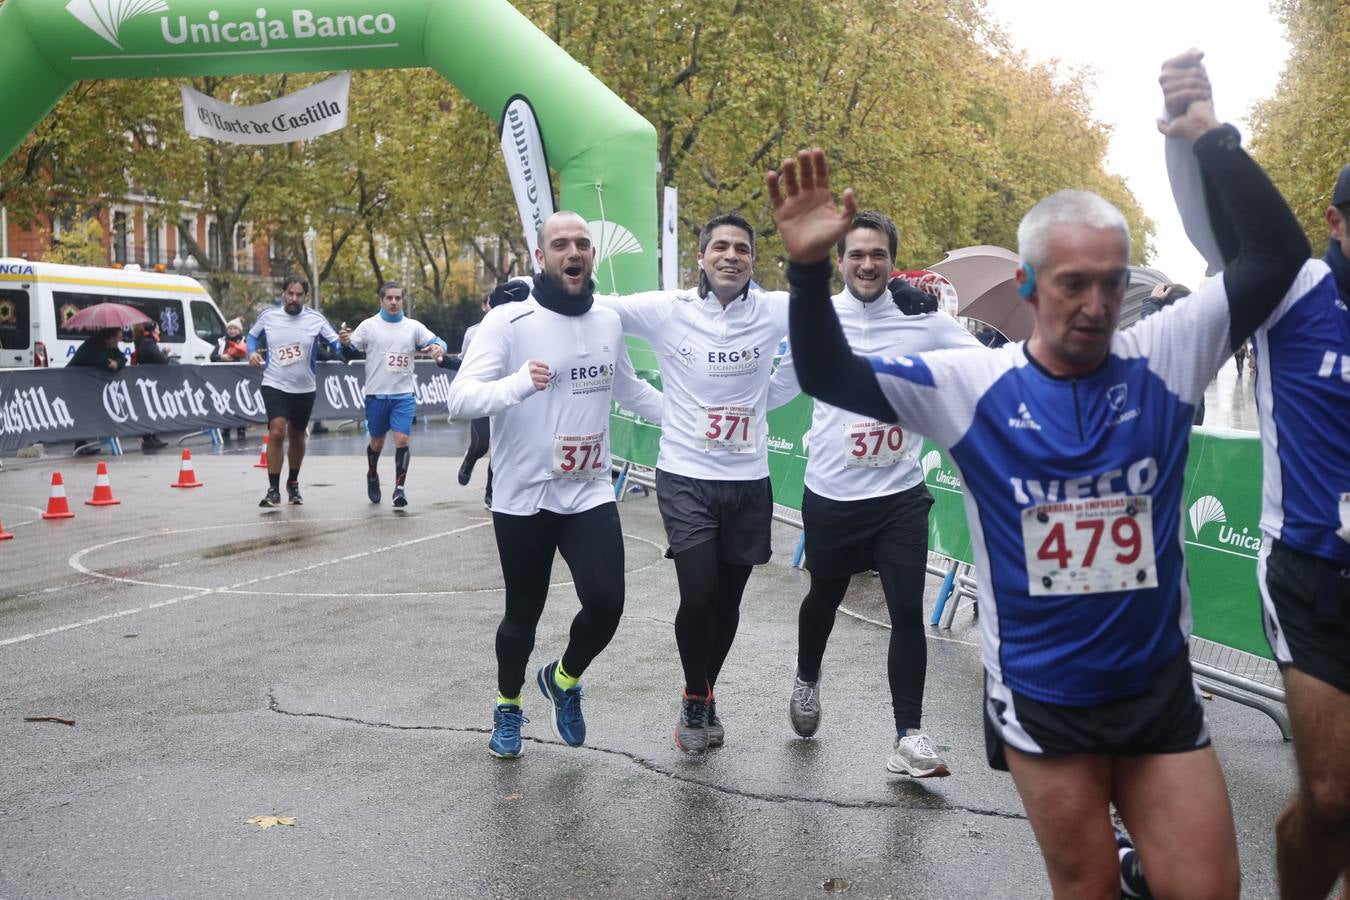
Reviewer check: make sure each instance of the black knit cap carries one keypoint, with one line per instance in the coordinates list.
(1341, 195)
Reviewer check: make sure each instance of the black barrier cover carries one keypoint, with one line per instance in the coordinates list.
(78, 403)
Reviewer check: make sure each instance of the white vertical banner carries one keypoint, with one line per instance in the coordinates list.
(670, 251)
(527, 165)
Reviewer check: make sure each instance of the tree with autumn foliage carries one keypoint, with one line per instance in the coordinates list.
(1302, 134)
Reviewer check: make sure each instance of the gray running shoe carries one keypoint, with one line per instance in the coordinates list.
(271, 499)
(804, 707)
(400, 499)
(717, 735)
(914, 756)
(691, 732)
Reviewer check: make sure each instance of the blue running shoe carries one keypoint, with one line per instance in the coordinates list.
(568, 724)
(505, 740)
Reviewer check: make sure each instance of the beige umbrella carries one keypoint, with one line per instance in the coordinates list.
(985, 289)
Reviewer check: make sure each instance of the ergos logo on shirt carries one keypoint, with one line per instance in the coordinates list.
(592, 379)
(1208, 510)
(1136, 478)
(723, 363)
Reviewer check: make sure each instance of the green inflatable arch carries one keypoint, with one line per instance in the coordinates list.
(603, 151)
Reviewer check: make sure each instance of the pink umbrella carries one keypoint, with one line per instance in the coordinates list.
(106, 315)
(985, 290)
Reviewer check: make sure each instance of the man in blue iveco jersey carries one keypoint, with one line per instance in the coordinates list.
(390, 342)
(1072, 446)
(292, 331)
(1303, 397)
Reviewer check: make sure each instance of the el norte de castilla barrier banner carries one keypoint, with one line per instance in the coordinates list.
(77, 403)
(1221, 517)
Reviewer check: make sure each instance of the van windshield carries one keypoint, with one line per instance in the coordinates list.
(167, 312)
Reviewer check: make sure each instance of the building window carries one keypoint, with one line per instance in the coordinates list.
(119, 237)
(153, 250)
(213, 244)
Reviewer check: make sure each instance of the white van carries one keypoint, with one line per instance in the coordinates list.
(36, 298)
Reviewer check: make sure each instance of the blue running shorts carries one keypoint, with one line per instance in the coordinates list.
(390, 412)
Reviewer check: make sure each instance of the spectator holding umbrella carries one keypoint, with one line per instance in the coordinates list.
(99, 351)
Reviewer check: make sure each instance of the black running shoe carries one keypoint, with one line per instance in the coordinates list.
(691, 731)
(1132, 883)
(466, 470)
(293, 495)
(271, 499)
(400, 501)
(717, 735)
(373, 487)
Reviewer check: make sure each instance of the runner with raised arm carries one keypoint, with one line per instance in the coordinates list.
(1303, 399)
(865, 506)
(1072, 447)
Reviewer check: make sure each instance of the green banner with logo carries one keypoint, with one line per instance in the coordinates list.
(603, 151)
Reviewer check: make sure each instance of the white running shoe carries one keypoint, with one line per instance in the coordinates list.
(804, 707)
(914, 756)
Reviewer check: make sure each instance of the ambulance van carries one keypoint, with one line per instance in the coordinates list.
(36, 299)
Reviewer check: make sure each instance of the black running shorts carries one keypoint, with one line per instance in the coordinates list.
(1167, 718)
(736, 514)
(284, 405)
(1307, 612)
(845, 537)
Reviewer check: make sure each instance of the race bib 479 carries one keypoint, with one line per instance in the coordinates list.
(1089, 546)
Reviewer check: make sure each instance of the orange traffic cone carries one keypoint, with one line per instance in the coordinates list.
(57, 507)
(186, 477)
(5, 535)
(262, 460)
(102, 489)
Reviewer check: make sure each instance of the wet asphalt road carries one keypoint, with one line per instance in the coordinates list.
(334, 663)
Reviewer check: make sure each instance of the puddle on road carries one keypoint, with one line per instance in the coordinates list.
(270, 542)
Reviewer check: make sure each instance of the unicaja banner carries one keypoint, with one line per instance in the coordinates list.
(308, 113)
(527, 164)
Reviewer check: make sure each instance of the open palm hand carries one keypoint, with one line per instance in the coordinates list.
(804, 210)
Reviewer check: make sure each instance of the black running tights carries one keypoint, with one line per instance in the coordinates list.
(592, 546)
(480, 438)
(907, 658)
(710, 610)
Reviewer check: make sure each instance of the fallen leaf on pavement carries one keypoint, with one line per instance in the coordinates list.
(58, 719)
(269, 821)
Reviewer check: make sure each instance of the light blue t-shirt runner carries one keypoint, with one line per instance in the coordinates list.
(292, 345)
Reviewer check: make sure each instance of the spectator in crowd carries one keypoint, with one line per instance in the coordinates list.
(99, 351)
(145, 338)
(232, 348)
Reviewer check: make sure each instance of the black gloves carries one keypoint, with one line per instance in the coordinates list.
(511, 291)
(910, 300)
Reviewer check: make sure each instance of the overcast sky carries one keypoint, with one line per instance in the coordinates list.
(1245, 51)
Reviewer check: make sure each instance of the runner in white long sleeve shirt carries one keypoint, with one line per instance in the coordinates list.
(865, 506)
(292, 332)
(390, 341)
(545, 370)
(715, 347)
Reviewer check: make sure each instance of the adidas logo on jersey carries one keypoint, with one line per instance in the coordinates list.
(1023, 419)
